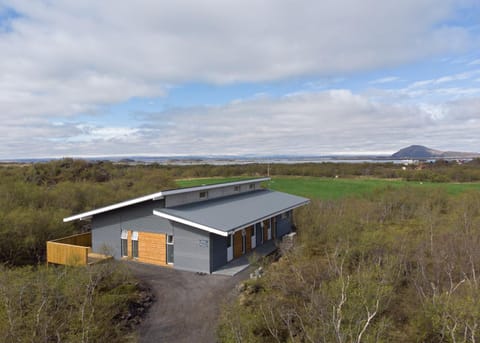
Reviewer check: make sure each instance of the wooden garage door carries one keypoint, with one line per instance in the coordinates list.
(237, 244)
(152, 248)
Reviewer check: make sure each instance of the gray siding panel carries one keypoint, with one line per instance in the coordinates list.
(192, 249)
(107, 227)
(284, 226)
(221, 191)
(106, 240)
(218, 255)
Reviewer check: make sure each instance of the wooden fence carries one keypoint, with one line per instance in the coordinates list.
(71, 250)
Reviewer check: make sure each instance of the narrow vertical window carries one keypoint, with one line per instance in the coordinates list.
(170, 249)
(135, 244)
(124, 243)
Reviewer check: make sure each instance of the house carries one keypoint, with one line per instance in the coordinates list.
(196, 229)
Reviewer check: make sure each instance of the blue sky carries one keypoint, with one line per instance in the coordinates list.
(229, 77)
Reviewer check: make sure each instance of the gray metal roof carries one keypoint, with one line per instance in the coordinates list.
(228, 214)
(160, 195)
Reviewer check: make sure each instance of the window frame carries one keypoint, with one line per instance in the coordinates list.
(134, 244)
(170, 243)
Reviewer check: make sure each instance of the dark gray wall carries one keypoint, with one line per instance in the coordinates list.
(218, 251)
(284, 226)
(192, 249)
(107, 227)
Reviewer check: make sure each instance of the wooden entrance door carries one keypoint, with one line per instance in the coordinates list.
(266, 225)
(249, 233)
(237, 244)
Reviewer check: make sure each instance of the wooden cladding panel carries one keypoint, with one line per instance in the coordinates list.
(152, 248)
(67, 254)
(82, 239)
(248, 239)
(266, 224)
(237, 244)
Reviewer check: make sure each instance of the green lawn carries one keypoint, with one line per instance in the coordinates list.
(207, 181)
(328, 188)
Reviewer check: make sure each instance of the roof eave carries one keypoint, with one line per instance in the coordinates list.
(190, 223)
(221, 232)
(158, 196)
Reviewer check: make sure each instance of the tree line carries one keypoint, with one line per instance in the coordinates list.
(396, 266)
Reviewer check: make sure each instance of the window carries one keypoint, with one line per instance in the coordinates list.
(229, 241)
(170, 249)
(124, 243)
(204, 195)
(251, 186)
(135, 244)
(236, 188)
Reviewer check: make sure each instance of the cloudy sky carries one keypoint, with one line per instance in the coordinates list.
(96, 78)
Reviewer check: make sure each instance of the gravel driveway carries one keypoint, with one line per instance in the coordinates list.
(187, 304)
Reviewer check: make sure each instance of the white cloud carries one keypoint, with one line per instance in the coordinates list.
(59, 59)
(67, 57)
(335, 121)
(383, 80)
(445, 79)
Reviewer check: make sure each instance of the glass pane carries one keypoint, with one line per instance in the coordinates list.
(124, 247)
(135, 248)
(169, 253)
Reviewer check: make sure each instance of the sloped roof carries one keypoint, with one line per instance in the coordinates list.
(158, 196)
(228, 214)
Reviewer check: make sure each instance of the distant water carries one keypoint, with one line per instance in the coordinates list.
(213, 161)
(194, 160)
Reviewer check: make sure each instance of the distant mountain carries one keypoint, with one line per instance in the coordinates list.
(422, 152)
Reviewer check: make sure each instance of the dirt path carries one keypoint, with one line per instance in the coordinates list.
(186, 306)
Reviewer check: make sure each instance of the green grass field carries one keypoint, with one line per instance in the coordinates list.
(327, 188)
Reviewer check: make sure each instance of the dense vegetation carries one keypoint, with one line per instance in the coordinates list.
(399, 265)
(63, 304)
(66, 304)
(440, 171)
(394, 265)
(35, 198)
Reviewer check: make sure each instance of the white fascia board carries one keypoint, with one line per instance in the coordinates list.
(217, 185)
(190, 223)
(158, 196)
(267, 217)
(86, 215)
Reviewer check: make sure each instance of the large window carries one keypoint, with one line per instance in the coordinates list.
(135, 244)
(170, 249)
(124, 243)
